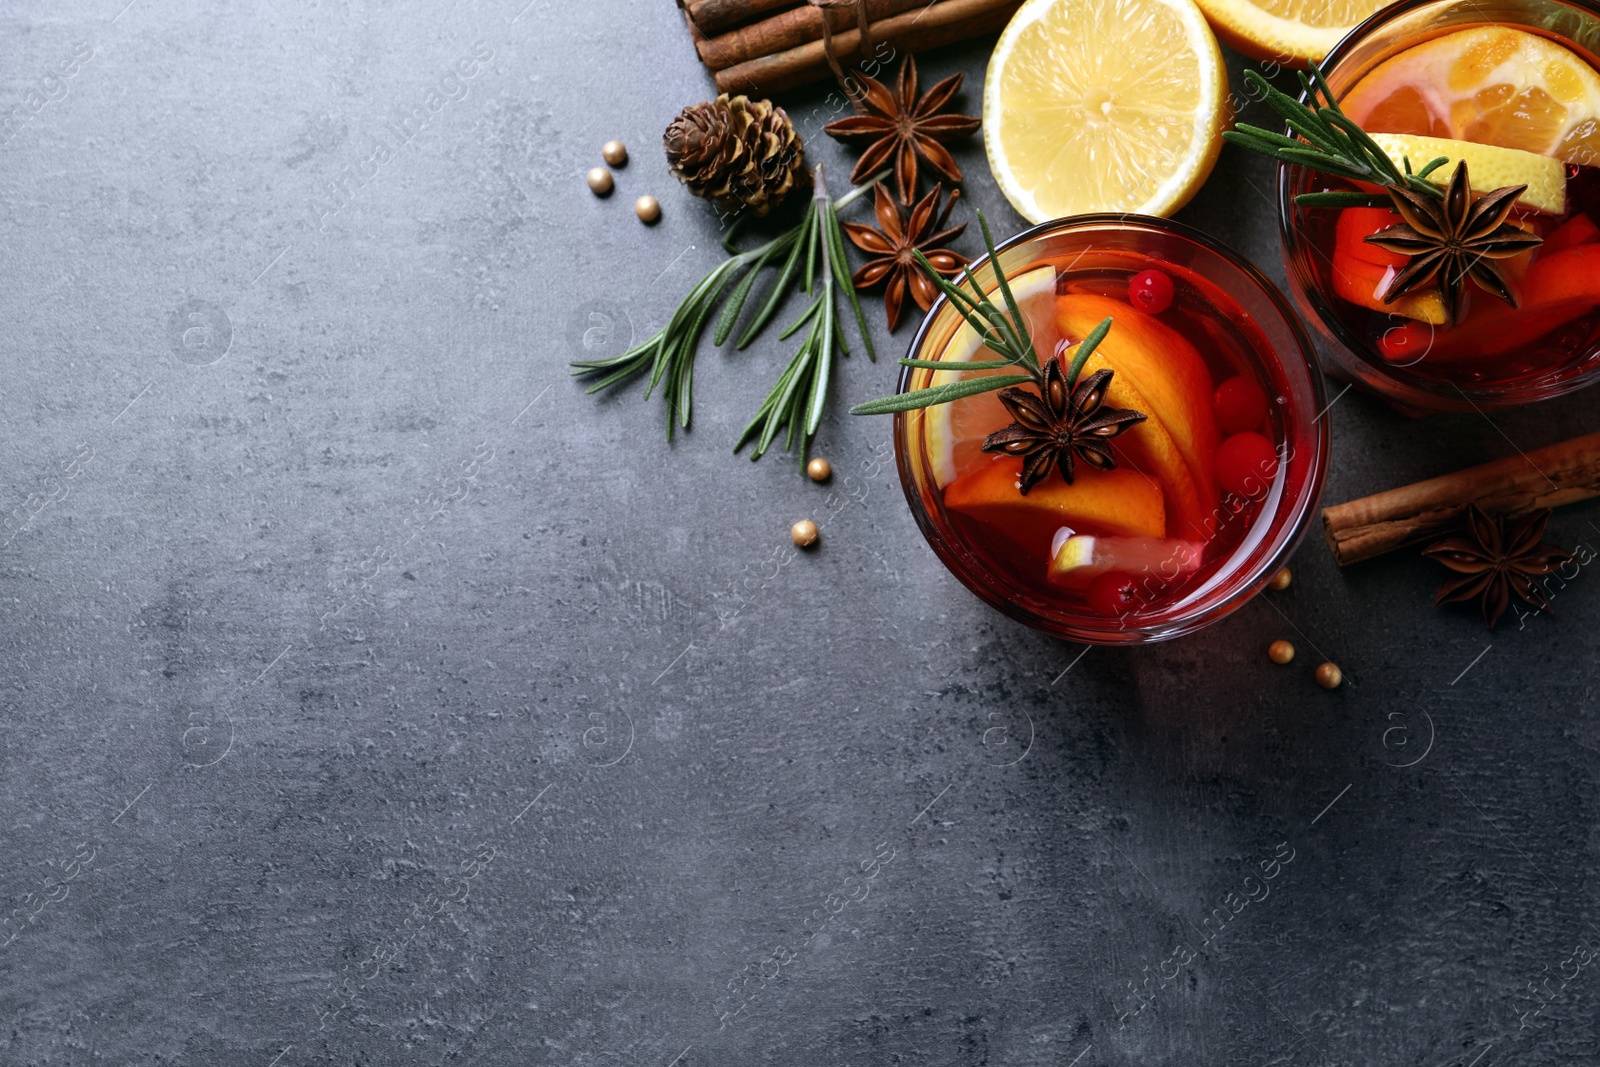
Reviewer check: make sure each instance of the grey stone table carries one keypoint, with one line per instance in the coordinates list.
(372, 696)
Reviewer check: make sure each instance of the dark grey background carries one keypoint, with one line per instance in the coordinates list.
(385, 700)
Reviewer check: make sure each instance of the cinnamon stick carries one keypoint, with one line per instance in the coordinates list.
(715, 16)
(1544, 478)
(935, 23)
(789, 29)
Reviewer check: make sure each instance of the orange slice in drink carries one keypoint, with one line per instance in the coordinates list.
(1491, 85)
(1160, 374)
(955, 431)
(1117, 502)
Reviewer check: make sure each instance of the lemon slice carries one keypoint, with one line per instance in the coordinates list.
(1488, 166)
(1103, 105)
(964, 423)
(1288, 31)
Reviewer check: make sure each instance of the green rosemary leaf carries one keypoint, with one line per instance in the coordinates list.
(1342, 200)
(963, 302)
(956, 367)
(1433, 165)
(637, 364)
(741, 292)
(780, 289)
(821, 374)
(1017, 325)
(841, 264)
(1326, 164)
(1086, 349)
(804, 318)
(939, 394)
(1379, 158)
(812, 239)
(1249, 136)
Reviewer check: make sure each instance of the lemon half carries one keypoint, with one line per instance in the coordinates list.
(1104, 105)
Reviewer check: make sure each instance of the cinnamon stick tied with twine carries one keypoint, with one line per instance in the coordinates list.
(929, 25)
(1544, 478)
(715, 16)
(795, 27)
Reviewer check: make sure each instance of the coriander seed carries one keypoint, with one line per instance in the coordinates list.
(804, 533)
(819, 470)
(599, 181)
(1281, 580)
(1280, 652)
(1329, 676)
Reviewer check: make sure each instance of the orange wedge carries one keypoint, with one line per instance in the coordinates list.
(1491, 85)
(1160, 374)
(1118, 502)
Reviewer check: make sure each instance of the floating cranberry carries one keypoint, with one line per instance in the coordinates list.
(1246, 464)
(1150, 291)
(1240, 405)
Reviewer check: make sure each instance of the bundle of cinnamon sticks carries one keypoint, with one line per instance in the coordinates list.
(760, 47)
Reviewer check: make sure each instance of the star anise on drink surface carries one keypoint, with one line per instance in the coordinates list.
(1060, 424)
(1453, 240)
(902, 128)
(892, 243)
(1496, 558)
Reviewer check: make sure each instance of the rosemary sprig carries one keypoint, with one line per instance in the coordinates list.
(1328, 142)
(1005, 332)
(668, 356)
(797, 400)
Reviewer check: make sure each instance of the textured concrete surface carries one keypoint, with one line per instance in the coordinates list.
(372, 696)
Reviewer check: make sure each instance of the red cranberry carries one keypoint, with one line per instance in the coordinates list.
(1150, 291)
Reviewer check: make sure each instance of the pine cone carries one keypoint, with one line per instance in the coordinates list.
(736, 152)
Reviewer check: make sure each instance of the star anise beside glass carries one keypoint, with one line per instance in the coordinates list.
(1059, 424)
(1453, 240)
(901, 128)
(892, 245)
(1496, 558)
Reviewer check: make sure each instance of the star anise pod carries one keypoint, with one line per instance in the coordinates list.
(1496, 558)
(1452, 240)
(1059, 424)
(902, 128)
(892, 243)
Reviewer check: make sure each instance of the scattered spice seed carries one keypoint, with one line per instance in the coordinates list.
(819, 470)
(1280, 652)
(648, 209)
(615, 153)
(1281, 580)
(600, 181)
(804, 533)
(1329, 676)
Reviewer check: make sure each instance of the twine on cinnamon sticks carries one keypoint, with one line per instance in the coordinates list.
(863, 38)
(1544, 478)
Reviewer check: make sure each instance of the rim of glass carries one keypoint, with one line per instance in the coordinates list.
(1299, 510)
(1451, 392)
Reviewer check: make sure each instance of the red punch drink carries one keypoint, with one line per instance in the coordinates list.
(1522, 106)
(1208, 492)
